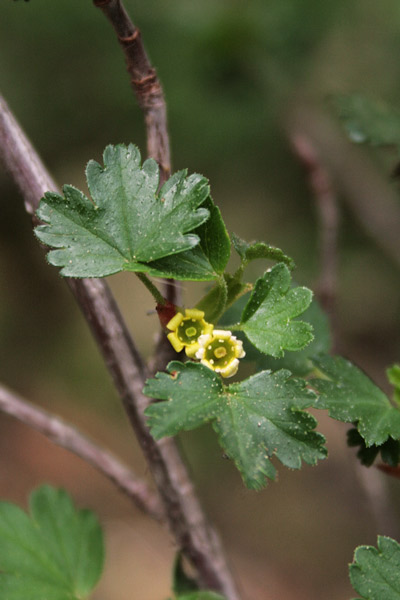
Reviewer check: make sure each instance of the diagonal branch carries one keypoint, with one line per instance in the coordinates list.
(327, 208)
(68, 437)
(194, 536)
(371, 199)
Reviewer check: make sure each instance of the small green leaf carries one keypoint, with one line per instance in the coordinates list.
(255, 419)
(367, 121)
(129, 223)
(351, 397)
(300, 363)
(254, 250)
(375, 572)
(55, 553)
(267, 317)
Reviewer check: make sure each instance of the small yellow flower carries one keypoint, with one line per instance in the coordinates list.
(220, 351)
(186, 330)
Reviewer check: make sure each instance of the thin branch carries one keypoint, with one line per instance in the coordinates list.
(371, 199)
(194, 536)
(328, 220)
(68, 437)
(144, 82)
(29, 174)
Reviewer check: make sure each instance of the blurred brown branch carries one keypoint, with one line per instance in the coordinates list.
(144, 82)
(371, 199)
(328, 220)
(68, 437)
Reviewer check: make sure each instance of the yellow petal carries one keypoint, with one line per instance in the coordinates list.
(191, 350)
(222, 334)
(175, 342)
(239, 352)
(175, 322)
(194, 313)
(231, 369)
(208, 328)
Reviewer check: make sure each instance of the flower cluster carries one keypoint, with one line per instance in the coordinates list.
(217, 349)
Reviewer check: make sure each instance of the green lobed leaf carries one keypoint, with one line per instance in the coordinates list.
(252, 251)
(375, 572)
(299, 363)
(368, 121)
(351, 397)
(204, 262)
(129, 223)
(55, 553)
(255, 419)
(267, 319)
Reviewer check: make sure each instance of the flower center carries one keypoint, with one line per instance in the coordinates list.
(189, 330)
(220, 352)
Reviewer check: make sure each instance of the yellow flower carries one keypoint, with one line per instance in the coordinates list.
(220, 351)
(186, 330)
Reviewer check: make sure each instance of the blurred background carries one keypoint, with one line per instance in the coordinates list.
(240, 78)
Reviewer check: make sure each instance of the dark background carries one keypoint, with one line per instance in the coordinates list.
(236, 75)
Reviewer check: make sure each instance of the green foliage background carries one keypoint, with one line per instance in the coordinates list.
(233, 72)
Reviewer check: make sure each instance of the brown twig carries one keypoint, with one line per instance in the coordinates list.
(371, 199)
(194, 536)
(328, 220)
(144, 82)
(68, 437)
